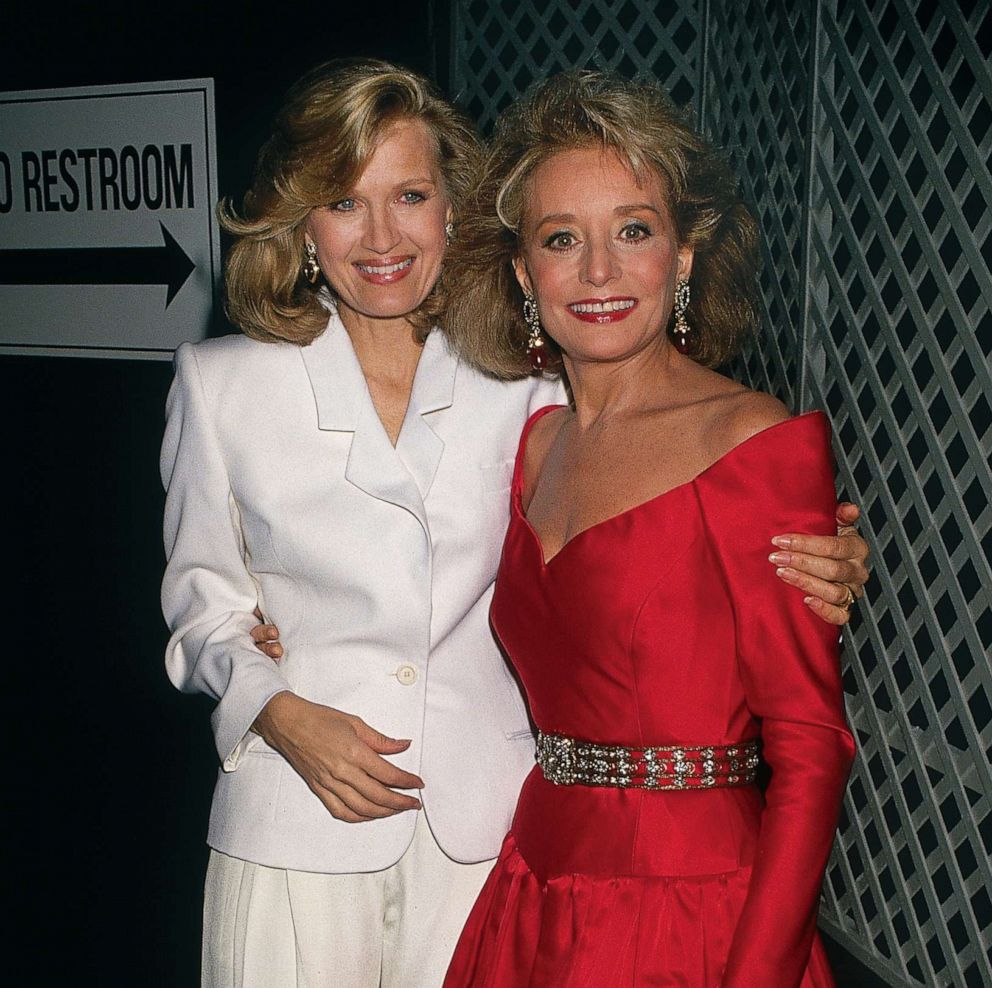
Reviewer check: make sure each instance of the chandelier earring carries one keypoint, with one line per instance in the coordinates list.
(449, 232)
(682, 331)
(535, 341)
(311, 266)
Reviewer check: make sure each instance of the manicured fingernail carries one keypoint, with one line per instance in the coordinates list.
(782, 541)
(784, 574)
(808, 601)
(780, 558)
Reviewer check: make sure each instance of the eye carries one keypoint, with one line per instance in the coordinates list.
(343, 205)
(412, 197)
(560, 240)
(635, 232)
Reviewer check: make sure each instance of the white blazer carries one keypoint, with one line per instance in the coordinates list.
(376, 563)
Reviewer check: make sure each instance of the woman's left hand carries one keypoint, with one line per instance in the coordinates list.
(826, 567)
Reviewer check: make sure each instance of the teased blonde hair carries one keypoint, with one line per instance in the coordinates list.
(323, 137)
(640, 124)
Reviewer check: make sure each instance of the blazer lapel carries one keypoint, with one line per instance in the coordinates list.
(419, 446)
(401, 475)
(375, 467)
(336, 378)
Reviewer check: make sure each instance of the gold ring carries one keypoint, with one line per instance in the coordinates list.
(846, 604)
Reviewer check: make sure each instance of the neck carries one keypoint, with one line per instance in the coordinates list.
(606, 390)
(387, 349)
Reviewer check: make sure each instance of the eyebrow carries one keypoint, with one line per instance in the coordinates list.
(637, 207)
(634, 207)
(405, 183)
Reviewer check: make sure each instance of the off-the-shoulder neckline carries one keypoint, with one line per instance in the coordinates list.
(686, 485)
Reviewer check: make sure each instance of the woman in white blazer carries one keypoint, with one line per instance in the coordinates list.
(341, 470)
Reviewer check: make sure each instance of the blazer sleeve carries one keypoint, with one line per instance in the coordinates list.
(781, 480)
(208, 595)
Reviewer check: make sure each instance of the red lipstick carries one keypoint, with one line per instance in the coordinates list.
(603, 310)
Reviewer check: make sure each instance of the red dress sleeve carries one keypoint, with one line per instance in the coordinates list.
(781, 480)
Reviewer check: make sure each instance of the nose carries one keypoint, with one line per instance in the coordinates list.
(381, 234)
(599, 266)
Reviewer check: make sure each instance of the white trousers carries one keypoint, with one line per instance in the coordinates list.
(397, 928)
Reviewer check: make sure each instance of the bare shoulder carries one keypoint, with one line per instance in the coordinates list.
(747, 414)
(735, 418)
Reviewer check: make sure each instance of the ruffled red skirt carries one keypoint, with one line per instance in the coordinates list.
(583, 931)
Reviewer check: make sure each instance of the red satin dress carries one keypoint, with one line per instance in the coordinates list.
(666, 624)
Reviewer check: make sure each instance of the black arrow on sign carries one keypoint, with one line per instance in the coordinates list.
(166, 265)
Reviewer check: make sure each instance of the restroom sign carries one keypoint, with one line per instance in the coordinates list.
(108, 241)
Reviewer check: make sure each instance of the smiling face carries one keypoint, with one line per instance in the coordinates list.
(381, 247)
(600, 253)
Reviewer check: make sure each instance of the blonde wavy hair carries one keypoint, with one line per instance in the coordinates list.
(640, 124)
(329, 126)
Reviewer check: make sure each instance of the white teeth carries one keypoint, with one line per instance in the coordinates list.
(384, 268)
(617, 306)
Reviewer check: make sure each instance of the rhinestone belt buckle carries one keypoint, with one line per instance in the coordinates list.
(556, 756)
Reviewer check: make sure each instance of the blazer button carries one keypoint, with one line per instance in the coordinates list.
(407, 674)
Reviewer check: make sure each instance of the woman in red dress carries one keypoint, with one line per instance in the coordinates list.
(662, 663)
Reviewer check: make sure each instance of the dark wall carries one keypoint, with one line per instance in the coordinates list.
(112, 769)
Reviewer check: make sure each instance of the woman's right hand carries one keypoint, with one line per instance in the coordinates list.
(266, 638)
(339, 757)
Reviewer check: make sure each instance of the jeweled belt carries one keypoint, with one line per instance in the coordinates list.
(568, 761)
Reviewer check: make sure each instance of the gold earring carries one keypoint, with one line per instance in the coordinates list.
(311, 267)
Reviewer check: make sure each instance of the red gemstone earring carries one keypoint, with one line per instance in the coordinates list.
(535, 341)
(681, 329)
